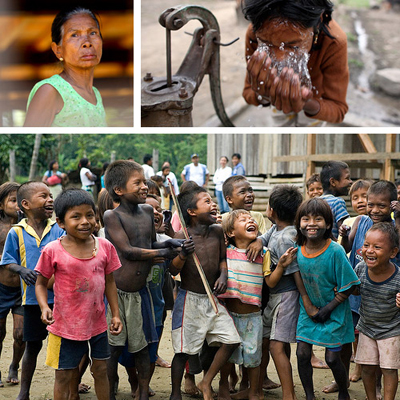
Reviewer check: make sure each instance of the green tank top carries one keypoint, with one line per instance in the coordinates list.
(77, 111)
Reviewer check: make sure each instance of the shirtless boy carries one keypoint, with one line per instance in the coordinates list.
(193, 318)
(130, 228)
(10, 286)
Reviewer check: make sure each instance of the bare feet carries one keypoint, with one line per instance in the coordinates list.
(318, 363)
(269, 385)
(190, 387)
(242, 395)
(233, 380)
(356, 375)
(333, 387)
(162, 363)
(83, 388)
(223, 393)
(206, 390)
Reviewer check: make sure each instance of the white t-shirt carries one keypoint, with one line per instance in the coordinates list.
(196, 173)
(172, 177)
(84, 179)
(148, 171)
(220, 176)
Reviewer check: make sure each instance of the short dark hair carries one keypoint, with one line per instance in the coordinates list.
(83, 162)
(188, 185)
(359, 184)
(63, 16)
(389, 229)
(146, 158)
(384, 186)
(104, 167)
(117, 175)
(24, 192)
(5, 190)
(314, 178)
(188, 200)
(306, 13)
(285, 200)
(332, 169)
(227, 187)
(71, 198)
(236, 155)
(397, 182)
(314, 206)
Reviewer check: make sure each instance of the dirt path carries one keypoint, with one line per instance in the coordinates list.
(366, 108)
(42, 386)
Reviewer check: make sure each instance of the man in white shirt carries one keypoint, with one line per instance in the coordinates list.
(196, 172)
(147, 166)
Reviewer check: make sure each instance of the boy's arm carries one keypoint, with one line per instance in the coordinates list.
(179, 261)
(325, 312)
(118, 237)
(112, 298)
(349, 235)
(311, 310)
(285, 260)
(27, 275)
(168, 243)
(41, 296)
(220, 284)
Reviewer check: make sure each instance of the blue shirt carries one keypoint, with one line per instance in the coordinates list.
(23, 247)
(339, 211)
(239, 170)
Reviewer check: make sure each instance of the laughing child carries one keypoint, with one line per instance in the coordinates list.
(83, 267)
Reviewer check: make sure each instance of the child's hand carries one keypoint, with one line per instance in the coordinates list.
(220, 284)
(158, 260)
(287, 257)
(174, 242)
(323, 314)
(187, 247)
(344, 230)
(115, 326)
(28, 276)
(398, 300)
(311, 310)
(47, 316)
(395, 206)
(254, 249)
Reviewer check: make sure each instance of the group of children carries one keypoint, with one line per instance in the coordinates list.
(263, 289)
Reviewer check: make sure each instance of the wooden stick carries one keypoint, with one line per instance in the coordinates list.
(195, 258)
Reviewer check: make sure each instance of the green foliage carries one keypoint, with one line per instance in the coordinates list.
(356, 63)
(351, 37)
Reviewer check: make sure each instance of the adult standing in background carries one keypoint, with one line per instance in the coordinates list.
(238, 168)
(220, 176)
(69, 99)
(54, 178)
(166, 174)
(196, 172)
(148, 166)
(88, 178)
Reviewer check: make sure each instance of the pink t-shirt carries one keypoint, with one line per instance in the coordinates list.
(79, 284)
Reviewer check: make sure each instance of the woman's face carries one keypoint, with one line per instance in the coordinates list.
(81, 45)
(283, 37)
(55, 166)
(222, 162)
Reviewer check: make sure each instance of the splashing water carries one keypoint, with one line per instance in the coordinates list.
(297, 60)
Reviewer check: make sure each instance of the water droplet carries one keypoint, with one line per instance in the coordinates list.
(282, 46)
(259, 97)
(262, 83)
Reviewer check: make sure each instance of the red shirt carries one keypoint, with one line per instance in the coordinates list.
(79, 284)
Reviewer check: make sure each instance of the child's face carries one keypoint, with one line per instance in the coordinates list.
(342, 185)
(244, 228)
(206, 209)
(98, 225)
(10, 206)
(377, 250)
(398, 193)
(359, 201)
(242, 196)
(313, 227)
(136, 189)
(79, 221)
(39, 205)
(235, 161)
(378, 207)
(158, 216)
(315, 190)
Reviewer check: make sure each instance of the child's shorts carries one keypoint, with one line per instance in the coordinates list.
(130, 312)
(67, 354)
(34, 329)
(281, 315)
(194, 320)
(10, 299)
(382, 352)
(250, 328)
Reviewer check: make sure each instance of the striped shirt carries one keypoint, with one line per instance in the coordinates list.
(379, 316)
(245, 278)
(339, 211)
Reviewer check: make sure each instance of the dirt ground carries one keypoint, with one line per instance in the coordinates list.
(367, 107)
(43, 381)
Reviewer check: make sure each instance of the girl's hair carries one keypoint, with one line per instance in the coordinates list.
(57, 27)
(51, 163)
(104, 203)
(315, 206)
(83, 163)
(389, 230)
(359, 184)
(103, 170)
(307, 13)
(5, 190)
(153, 187)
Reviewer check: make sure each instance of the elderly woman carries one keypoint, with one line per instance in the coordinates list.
(69, 99)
